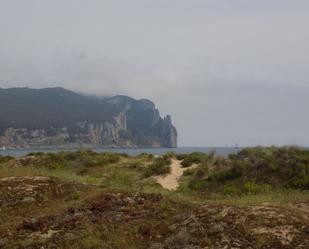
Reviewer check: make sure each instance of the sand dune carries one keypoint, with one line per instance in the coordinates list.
(171, 181)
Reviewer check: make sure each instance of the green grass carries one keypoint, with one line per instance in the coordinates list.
(276, 197)
(248, 177)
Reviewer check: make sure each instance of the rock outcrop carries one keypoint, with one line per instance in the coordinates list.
(56, 117)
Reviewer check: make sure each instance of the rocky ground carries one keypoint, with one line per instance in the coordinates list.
(43, 212)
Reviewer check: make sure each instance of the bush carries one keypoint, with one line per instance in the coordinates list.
(226, 175)
(198, 180)
(76, 195)
(299, 182)
(169, 154)
(195, 157)
(197, 184)
(231, 191)
(56, 165)
(180, 157)
(101, 159)
(36, 154)
(189, 172)
(160, 166)
(254, 188)
(251, 170)
(146, 156)
(135, 164)
(5, 159)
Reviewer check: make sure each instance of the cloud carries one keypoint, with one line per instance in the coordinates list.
(218, 66)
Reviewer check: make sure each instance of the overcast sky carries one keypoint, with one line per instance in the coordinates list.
(228, 71)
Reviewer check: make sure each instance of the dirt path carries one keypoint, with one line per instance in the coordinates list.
(170, 181)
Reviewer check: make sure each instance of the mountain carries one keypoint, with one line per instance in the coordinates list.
(53, 117)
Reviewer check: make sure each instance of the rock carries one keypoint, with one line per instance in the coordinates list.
(3, 242)
(27, 200)
(217, 228)
(193, 247)
(191, 219)
(116, 218)
(68, 218)
(27, 242)
(179, 240)
(156, 245)
(172, 228)
(32, 224)
(71, 236)
(180, 217)
(145, 229)
(195, 227)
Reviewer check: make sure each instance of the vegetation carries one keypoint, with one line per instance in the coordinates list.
(253, 170)
(195, 157)
(57, 111)
(160, 166)
(75, 199)
(5, 159)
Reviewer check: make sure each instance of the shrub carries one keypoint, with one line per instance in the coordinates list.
(146, 156)
(56, 165)
(197, 184)
(226, 175)
(299, 182)
(195, 157)
(76, 195)
(169, 154)
(101, 159)
(189, 172)
(77, 155)
(231, 190)
(5, 159)
(135, 164)
(254, 188)
(251, 170)
(180, 157)
(160, 166)
(36, 154)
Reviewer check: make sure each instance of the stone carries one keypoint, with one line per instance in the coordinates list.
(71, 236)
(27, 200)
(27, 242)
(3, 242)
(179, 240)
(156, 245)
(172, 228)
(217, 228)
(32, 224)
(180, 217)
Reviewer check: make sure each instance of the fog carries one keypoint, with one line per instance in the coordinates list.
(227, 71)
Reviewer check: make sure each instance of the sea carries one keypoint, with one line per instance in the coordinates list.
(223, 151)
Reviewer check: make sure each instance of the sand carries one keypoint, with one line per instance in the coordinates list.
(171, 181)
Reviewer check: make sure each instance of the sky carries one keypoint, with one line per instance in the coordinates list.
(228, 71)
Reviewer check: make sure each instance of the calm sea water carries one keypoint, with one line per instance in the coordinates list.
(223, 151)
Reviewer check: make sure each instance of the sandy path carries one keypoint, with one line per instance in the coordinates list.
(170, 181)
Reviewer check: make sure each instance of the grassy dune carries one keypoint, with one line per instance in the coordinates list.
(85, 199)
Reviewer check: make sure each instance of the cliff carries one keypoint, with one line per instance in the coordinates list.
(56, 117)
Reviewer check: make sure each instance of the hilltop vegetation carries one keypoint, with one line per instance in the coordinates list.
(257, 198)
(251, 170)
(58, 117)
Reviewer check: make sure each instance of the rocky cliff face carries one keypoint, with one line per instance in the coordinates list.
(60, 118)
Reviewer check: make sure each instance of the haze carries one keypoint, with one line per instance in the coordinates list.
(227, 71)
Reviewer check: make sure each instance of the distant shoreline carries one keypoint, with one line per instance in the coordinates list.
(223, 151)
